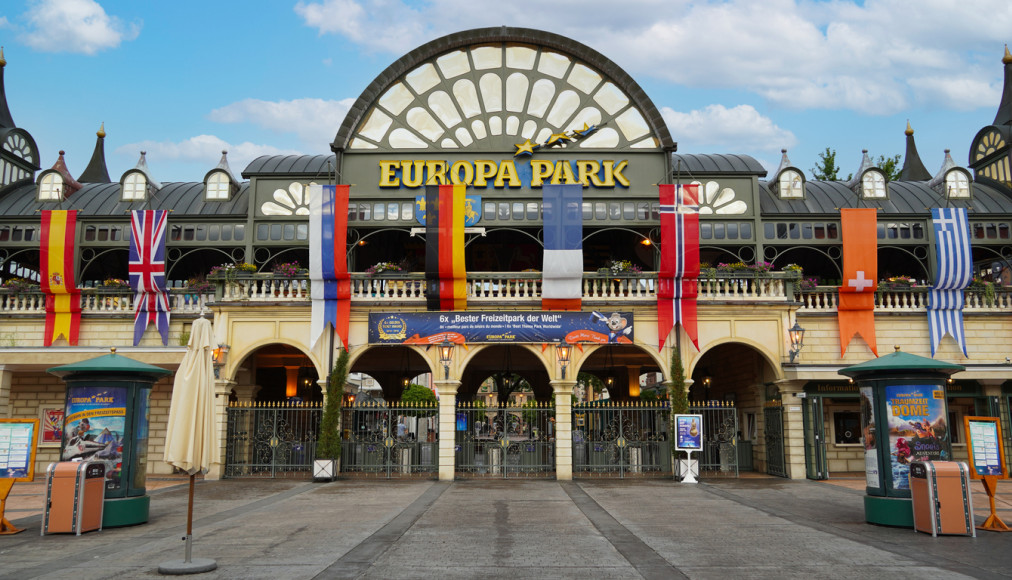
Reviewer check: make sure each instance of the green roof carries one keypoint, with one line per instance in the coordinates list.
(110, 363)
(901, 361)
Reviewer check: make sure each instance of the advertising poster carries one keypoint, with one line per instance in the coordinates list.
(51, 431)
(688, 432)
(93, 428)
(868, 438)
(16, 445)
(476, 327)
(918, 430)
(985, 446)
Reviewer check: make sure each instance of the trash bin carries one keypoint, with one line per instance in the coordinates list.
(75, 497)
(942, 502)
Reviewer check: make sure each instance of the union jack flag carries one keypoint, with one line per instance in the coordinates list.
(147, 272)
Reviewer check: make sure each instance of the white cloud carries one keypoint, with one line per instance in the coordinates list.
(74, 26)
(314, 121)
(739, 128)
(4, 23)
(867, 56)
(203, 149)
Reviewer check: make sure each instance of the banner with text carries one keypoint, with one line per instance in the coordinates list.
(471, 327)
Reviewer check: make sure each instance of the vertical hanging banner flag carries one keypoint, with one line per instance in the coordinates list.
(562, 271)
(679, 271)
(954, 263)
(330, 284)
(855, 310)
(147, 272)
(59, 282)
(445, 274)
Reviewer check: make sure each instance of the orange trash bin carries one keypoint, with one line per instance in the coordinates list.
(942, 501)
(75, 497)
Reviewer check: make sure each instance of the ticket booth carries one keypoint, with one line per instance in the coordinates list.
(106, 420)
(904, 419)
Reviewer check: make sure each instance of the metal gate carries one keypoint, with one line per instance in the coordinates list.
(773, 434)
(719, 456)
(513, 440)
(390, 440)
(271, 439)
(621, 439)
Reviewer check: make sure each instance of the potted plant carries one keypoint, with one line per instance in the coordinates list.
(286, 269)
(328, 447)
(382, 268)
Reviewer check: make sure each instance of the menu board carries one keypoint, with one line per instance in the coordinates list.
(17, 448)
(688, 432)
(985, 447)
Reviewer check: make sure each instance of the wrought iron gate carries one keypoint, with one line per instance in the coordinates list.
(513, 440)
(773, 434)
(390, 440)
(621, 439)
(719, 457)
(271, 439)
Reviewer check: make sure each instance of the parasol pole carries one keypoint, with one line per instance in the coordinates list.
(189, 522)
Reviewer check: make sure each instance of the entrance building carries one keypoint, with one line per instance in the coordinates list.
(504, 112)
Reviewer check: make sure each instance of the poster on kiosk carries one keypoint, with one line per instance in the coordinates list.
(689, 438)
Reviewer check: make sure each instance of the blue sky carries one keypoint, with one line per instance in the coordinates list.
(184, 80)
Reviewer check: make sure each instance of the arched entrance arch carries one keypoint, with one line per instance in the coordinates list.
(734, 386)
(625, 371)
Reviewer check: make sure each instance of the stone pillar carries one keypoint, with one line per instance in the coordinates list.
(6, 378)
(794, 427)
(222, 388)
(563, 429)
(246, 393)
(447, 428)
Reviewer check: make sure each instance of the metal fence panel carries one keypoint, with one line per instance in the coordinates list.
(773, 432)
(390, 440)
(621, 439)
(271, 439)
(719, 456)
(506, 441)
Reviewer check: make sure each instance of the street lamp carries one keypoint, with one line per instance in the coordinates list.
(797, 335)
(562, 352)
(445, 356)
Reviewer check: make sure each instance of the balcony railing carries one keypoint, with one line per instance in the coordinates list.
(499, 287)
(104, 300)
(914, 299)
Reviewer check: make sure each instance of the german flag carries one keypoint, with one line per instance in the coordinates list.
(59, 283)
(445, 274)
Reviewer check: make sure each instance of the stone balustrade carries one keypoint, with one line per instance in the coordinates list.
(104, 301)
(914, 299)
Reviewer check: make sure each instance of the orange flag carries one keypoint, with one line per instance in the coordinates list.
(855, 310)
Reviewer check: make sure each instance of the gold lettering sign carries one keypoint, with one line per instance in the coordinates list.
(414, 173)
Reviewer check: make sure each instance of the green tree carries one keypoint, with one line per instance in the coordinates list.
(826, 169)
(329, 444)
(676, 389)
(891, 166)
(414, 394)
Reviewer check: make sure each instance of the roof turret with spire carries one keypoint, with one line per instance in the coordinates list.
(70, 185)
(913, 169)
(1004, 116)
(96, 171)
(6, 121)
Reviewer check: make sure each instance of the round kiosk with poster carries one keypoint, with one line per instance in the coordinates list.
(106, 419)
(904, 418)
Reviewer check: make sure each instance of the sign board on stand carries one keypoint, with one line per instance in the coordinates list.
(18, 439)
(689, 438)
(986, 452)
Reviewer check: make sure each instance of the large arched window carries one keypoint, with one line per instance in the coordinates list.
(217, 186)
(873, 185)
(791, 185)
(957, 185)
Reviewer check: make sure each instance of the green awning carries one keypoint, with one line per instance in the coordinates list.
(901, 362)
(110, 364)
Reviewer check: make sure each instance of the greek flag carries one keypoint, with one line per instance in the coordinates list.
(955, 270)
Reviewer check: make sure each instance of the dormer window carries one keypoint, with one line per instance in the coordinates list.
(51, 187)
(791, 185)
(957, 185)
(873, 185)
(135, 187)
(217, 186)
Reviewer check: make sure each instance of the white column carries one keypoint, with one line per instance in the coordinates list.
(222, 389)
(563, 429)
(447, 428)
(6, 378)
(794, 427)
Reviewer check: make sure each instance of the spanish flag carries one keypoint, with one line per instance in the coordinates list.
(445, 274)
(855, 310)
(63, 298)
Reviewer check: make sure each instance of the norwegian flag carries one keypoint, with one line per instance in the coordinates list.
(147, 272)
(676, 280)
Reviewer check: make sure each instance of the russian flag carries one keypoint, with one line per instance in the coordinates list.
(562, 276)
